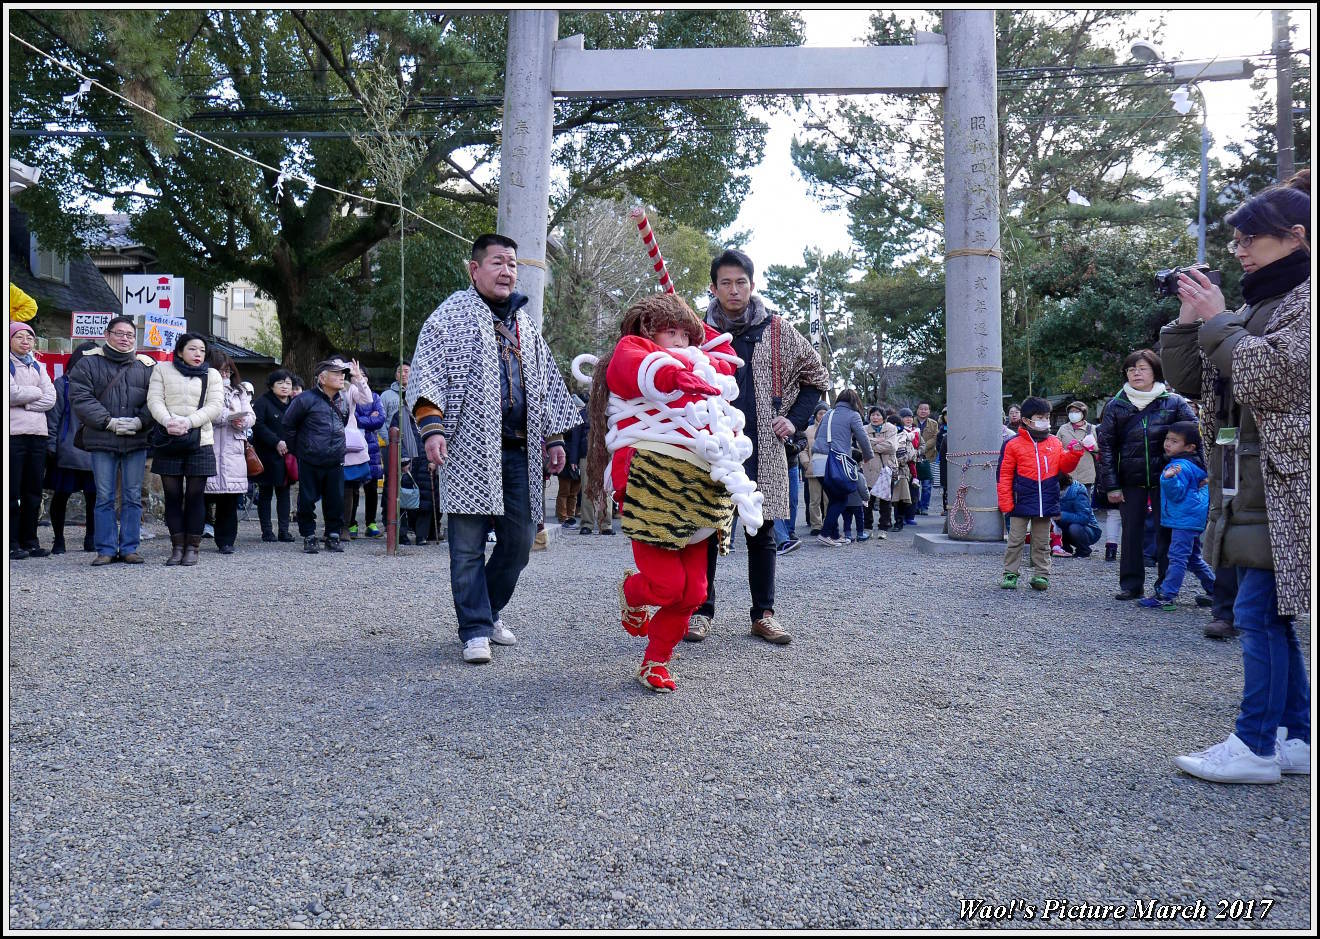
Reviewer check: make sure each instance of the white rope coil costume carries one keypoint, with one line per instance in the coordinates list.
(710, 428)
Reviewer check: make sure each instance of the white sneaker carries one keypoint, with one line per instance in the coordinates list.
(476, 650)
(503, 636)
(1230, 762)
(1293, 756)
(490, 537)
(882, 535)
(832, 542)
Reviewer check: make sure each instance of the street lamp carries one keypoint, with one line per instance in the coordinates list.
(1193, 73)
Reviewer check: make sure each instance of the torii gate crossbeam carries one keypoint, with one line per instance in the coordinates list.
(960, 63)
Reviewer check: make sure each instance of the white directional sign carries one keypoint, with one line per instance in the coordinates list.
(152, 293)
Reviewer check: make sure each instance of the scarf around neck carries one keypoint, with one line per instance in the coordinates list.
(1277, 278)
(1142, 399)
(191, 371)
(754, 314)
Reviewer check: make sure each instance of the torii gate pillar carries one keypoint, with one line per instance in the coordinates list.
(973, 351)
(527, 131)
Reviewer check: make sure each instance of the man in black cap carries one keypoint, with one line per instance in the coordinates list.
(314, 432)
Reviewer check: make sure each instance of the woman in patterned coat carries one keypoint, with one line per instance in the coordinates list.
(1263, 407)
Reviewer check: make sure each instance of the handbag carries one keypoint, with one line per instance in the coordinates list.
(290, 468)
(167, 444)
(254, 465)
(923, 470)
(355, 441)
(841, 471)
(883, 488)
(410, 495)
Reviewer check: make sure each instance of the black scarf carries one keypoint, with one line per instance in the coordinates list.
(114, 355)
(1276, 278)
(191, 371)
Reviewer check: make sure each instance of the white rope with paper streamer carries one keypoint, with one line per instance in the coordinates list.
(710, 428)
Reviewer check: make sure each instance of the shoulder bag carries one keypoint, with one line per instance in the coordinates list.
(841, 471)
(119, 376)
(162, 441)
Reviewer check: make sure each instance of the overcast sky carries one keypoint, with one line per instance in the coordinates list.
(783, 218)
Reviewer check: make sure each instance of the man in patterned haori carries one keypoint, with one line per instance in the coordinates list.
(779, 383)
(488, 397)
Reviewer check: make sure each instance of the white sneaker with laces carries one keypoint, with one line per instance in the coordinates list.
(503, 636)
(1293, 756)
(832, 542)
(1230, 762)
(476, 651)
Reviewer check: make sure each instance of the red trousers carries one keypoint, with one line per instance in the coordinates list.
(675, 581)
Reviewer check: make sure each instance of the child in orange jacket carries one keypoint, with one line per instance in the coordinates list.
(1029, 490)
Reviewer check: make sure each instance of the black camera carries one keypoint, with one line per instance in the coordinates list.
(1166, 282)
(795, 445)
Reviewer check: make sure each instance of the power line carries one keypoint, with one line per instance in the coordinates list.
(310, 182)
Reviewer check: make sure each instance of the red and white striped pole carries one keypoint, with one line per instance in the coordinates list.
(638, 215)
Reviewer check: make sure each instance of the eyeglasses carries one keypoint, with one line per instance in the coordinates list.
(122, 334)
(1243, 242)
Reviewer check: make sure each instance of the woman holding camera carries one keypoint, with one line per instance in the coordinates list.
(1131, 439)
(1251, 371)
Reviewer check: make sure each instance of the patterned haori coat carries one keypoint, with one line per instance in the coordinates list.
(456, 367)
(1271, 375)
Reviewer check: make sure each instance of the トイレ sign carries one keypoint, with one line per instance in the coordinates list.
(89, 325)
(147, 294)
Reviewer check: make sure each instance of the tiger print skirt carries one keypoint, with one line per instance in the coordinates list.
(669, 500)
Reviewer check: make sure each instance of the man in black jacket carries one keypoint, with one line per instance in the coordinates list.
(314, 432)
(108, 392)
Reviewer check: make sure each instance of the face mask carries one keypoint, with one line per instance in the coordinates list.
(1075, 417)
(1041, 425)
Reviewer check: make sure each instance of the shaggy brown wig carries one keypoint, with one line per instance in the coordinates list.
(646, 318)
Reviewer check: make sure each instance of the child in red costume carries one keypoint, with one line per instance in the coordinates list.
(676, 469)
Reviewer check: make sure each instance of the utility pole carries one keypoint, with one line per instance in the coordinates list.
(1283, 95)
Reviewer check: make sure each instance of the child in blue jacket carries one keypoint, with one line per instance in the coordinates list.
(1184, 508)
(1077, 522)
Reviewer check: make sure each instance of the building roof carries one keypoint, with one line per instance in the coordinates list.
(85, 291)
(240, 355)
(118, 236)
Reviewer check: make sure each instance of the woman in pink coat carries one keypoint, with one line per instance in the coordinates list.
(230, 428)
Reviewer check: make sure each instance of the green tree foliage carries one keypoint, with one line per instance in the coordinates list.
(282, 87)
(1073, 115)
(599, 267)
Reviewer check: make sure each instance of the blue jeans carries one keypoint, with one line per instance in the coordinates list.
(927, 487)
(1275, 690)
(1184, 555)
(120, 535)
(784, 528)
(481, 588)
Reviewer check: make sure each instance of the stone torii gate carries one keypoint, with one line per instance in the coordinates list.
(960, 64)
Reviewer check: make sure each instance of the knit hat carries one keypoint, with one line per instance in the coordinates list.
(16, 327)
(1273, 212)
(905, 412)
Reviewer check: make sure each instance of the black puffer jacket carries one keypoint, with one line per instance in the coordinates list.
(314, 427)
(1132, 441)
(267, 433)
(95, 401)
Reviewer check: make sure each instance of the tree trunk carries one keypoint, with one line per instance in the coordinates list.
(303, 346)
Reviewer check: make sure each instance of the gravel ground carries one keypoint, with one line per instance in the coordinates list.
(274, 740)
